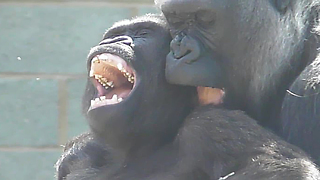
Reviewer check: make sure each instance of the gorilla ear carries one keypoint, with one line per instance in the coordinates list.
(282, 5)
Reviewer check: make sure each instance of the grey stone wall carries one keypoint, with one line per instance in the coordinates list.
(43, 48)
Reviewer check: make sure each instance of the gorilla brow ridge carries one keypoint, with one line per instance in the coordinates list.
(157, 19)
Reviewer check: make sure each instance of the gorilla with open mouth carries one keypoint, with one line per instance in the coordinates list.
(130, 107)
(142, 127)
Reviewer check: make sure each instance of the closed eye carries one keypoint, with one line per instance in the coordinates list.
(205, 18)
(143, 33)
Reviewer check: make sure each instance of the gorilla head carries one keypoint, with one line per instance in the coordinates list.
(253, 48)
(121, 89)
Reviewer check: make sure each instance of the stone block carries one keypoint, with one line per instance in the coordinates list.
(52, 38)
(28, 165)
(28, 112)
(76, 120)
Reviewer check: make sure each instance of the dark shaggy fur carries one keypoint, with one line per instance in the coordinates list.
(157, 133)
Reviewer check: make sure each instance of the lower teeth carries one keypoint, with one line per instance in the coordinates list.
(113, 100)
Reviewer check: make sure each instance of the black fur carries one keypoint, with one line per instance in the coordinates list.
(255, 50)
(300, 113)
(212, 143)
(158, 135)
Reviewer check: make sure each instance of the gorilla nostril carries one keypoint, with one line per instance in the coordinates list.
(179, 54)
(177, 46)
(185, 46)
(127, 41)
(119, 39)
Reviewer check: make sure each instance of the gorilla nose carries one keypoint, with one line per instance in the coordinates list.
(185, 47)
(119, 39)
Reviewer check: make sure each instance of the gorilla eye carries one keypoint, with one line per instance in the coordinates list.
(175, 22)
(143, 32)
(205, 18)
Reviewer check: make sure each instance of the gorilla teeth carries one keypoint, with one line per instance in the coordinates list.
(110, 84)
(105, 101)
(115, 97)
(96, 76)
(103, 81)
(102, 62)
(131, 79)
(91, 73)
(125, 73)
(95, 60)
(128, 76)
(120, 67)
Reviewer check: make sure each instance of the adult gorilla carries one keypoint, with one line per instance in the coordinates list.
(144, 128)
(255, 50)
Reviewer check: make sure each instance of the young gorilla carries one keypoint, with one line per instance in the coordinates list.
(144, 128)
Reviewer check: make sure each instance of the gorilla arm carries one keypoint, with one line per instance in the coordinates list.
(300, 111)
(215, 143)
(83, 153)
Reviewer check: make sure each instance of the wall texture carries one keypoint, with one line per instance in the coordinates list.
(43, 48)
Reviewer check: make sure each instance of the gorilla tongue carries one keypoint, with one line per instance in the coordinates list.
(112, 77)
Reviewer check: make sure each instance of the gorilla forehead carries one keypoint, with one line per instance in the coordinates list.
(154, 20)
(241, 10)
(174, 5)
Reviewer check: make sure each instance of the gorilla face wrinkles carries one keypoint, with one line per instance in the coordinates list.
(252, 48)
(121, 88)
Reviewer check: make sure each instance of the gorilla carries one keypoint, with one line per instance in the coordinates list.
(255, 50)
(142, 127)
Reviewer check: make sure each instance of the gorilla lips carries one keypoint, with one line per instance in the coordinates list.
(113, 79)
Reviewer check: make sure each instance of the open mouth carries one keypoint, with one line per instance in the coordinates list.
(113, 79)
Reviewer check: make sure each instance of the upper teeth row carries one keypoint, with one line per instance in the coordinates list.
(129, 77)
(125, 73)
(102, 80)
(120, 67)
